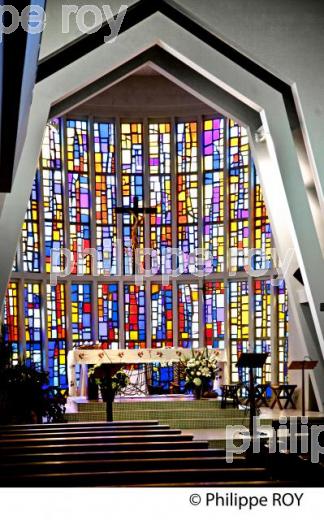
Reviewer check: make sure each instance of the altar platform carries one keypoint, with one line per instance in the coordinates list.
(179, 411)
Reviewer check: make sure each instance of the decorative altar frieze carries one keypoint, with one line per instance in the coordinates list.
(89, 355)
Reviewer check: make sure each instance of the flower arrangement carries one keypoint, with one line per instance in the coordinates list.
(110, 381)
(200, 370)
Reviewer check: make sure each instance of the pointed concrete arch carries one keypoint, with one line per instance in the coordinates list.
(249, 99)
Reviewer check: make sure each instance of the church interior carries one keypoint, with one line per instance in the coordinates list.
(161, 231)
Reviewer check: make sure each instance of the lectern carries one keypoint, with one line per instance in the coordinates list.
(305, 364)
(251, 361)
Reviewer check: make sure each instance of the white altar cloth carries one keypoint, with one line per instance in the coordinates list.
(123, 356)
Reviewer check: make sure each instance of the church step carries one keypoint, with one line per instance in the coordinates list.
(111, 455)
(89, 432)
(81, 424)
(134, 464)
(186, 422)
(147, 444)
(152, 413)
(156, 404)
(212, 484)
(113, 478)
(111, 438)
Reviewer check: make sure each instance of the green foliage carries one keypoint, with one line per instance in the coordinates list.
(111, 379)
(24, 393)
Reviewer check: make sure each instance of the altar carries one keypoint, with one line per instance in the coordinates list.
(96, 356)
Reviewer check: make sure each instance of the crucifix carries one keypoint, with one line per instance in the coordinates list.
(138, 218)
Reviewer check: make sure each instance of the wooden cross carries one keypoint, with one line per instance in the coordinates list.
(138, 214)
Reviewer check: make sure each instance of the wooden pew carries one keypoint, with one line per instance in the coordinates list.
(66, 434)
(115, 437)
(138, 477)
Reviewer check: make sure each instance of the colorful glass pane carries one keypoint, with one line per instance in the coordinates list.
(106, 196)
(162, 376)
(161, 316)
(213, 218)
(33, 324)
(262, 319)
(214, 309)
(160, 196)
(238, 171)
(187, 189)
(188, 316)
(238, 325)
(53, 220)
(52, 177)
(135, 318)
(30, 246)
(56, 333)
(81, 312)
(283, 332)
(187, 147)
(51, 147)
(262, 228)
(79, 194)
(10, 320)
(15, 264)
(108, 319)
(132, 189)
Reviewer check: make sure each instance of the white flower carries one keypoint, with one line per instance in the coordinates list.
(197, 381)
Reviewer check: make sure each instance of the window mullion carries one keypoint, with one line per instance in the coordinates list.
(21, 319)
(93, 231)
(174, 227)
(274, 341)
(200, 187)
(227, 339)
(66, 232)
(120, 242)
(251, 343)
(146, 220)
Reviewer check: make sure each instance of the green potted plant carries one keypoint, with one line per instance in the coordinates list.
(111, 379)
(25, 396)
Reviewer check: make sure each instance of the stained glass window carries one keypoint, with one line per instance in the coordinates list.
(283, 331)
(106, 196)
(52, 146)
(262, 317)
(188, 318)
(81, 312)
(53, 196)
(187, 187)
(262, 228)
(132, 187)
(161, 320)
(135, 319)
(213, 149)
(79, 194)
(56, 333)
(10, 320)
(214, 303)
(15, 264)
(160, 195)
(239, 324)
(239, 176)
(30, 232)
(33, 325)
(108, 317)
(204, 190)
